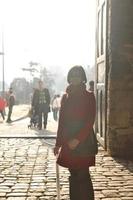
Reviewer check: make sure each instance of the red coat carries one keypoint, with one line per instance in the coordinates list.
(2, 104)
(77, 105)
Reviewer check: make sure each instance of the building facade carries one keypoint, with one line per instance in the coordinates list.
(114, 76)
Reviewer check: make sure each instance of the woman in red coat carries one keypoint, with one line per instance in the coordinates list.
(2, 106)
(76, 119)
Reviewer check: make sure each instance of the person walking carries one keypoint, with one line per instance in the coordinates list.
(75, 130)
(91, 86)
(2, 107)
(41, 104)
(56, 106)
(11, 102)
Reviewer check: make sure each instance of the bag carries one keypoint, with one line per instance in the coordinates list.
(87, 147)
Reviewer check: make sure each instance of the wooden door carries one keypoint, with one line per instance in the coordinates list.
(101, 94)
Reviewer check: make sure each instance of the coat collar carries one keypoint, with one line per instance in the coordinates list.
(76, 90)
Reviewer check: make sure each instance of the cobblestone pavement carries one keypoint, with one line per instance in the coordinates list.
(28, 169)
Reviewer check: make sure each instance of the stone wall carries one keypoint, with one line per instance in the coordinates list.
(120, 79)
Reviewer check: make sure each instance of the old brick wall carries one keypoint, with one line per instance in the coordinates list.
(120, 79)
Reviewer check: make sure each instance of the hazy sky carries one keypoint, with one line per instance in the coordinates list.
(55, 33)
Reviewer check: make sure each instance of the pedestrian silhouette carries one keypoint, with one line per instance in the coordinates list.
(75, 136)
(2, 107)
(91, 86)
(10, 103)
(56, 106)
(41, 104)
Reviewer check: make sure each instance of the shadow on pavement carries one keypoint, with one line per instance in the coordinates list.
(21, 118)
(127, 164)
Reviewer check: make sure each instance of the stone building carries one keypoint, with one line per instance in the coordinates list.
(114, 76)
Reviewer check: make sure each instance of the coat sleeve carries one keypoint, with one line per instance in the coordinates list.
(83, 134)
(33, 103)
(60, 130)
(47, 96)
(35, 98)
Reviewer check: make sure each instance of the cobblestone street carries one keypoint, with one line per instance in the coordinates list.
(28, 169)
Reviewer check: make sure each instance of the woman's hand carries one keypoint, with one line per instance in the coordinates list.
(73, 143)
(56, 150)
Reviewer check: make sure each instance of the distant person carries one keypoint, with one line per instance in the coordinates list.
(56, 106)
(91, 86)
(2, 107)
(41, 104)
(74, 146)
(10, 103)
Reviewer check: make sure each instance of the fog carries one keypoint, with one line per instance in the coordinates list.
(55, 33)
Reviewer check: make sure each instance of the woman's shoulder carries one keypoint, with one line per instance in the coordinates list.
(36, 90)
(46, 89)
(64, 97)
